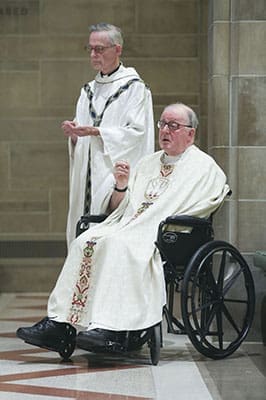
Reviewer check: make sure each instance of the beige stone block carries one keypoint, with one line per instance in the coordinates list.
(38, 165)
(252, 173)
(248, 105)
(44, 47)
(69, 78)
(218, 128)
(175, 75)
(251, 228)
(17, 201)
(18, 88)
(9, 112)
(166, 16)
(160, 45)
(58, 209)
(161, 100)
(67, 16)
(32, 130)
(13, 206)
(27, 275)
(27, 195)
(248, 48)
(19, 17)
(17, 65)
(24, 222)
(219, 52)
(4, 165)
(248, 10)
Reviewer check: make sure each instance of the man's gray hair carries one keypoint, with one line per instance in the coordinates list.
(114, 33)
(192, 116)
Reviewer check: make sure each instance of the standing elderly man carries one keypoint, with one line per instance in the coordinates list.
(114, 121)
(112, 280)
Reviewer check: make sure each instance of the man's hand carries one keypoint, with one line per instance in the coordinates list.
(71, 129)
(121, 174)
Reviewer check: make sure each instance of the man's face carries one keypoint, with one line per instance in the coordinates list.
(104, 56)
(174, 142)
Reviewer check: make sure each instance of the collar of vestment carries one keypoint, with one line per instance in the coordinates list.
(166, 159)
(121, 73)
(110, 73)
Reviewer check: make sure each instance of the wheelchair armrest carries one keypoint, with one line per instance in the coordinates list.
(177, 246)
(85, 220)
(187, 220)
(93, 218)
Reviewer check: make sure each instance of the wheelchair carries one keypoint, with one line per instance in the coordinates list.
(213, 281)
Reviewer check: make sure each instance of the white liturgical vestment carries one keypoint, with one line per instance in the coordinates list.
(113, 276)
(124, 118)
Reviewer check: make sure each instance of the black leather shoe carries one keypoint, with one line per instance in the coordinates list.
(101, 340)
(49, 334)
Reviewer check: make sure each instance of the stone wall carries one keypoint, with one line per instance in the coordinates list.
(43, 65)
(237, 120)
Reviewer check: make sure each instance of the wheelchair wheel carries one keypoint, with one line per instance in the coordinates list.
(155, 344)
(217, 299)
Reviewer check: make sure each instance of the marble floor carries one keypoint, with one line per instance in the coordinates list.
(29, 372)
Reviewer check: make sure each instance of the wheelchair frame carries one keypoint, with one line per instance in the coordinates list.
(211, 276)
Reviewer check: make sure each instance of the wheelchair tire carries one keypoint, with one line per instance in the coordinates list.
(217, 299)
(155, 343)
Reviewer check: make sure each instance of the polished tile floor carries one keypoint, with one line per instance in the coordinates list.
(28, 372)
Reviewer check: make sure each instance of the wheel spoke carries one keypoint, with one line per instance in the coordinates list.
(220, 280)
(232, 280)
(230, 318)
(219, 322)
(209, 320)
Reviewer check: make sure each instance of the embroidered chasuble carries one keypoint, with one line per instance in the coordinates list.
(120, 105)
(97, 119)
(113, 276)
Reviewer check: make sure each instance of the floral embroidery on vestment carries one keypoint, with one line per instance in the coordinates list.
(156, 186)
(166, 169)
(80, 295)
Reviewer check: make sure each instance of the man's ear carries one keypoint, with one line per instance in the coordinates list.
(192, 133)
(118, 49)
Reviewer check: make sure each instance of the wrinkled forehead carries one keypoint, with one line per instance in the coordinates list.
(174, 112)
(99, 38)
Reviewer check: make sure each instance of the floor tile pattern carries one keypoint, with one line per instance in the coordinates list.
(28, 372)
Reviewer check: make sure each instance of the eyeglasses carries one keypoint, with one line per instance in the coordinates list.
(98, 49)
(172, 125)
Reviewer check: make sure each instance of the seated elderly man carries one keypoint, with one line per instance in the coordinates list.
(112, 280)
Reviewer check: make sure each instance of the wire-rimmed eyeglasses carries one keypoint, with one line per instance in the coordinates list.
(98, 49)
(172, 125)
